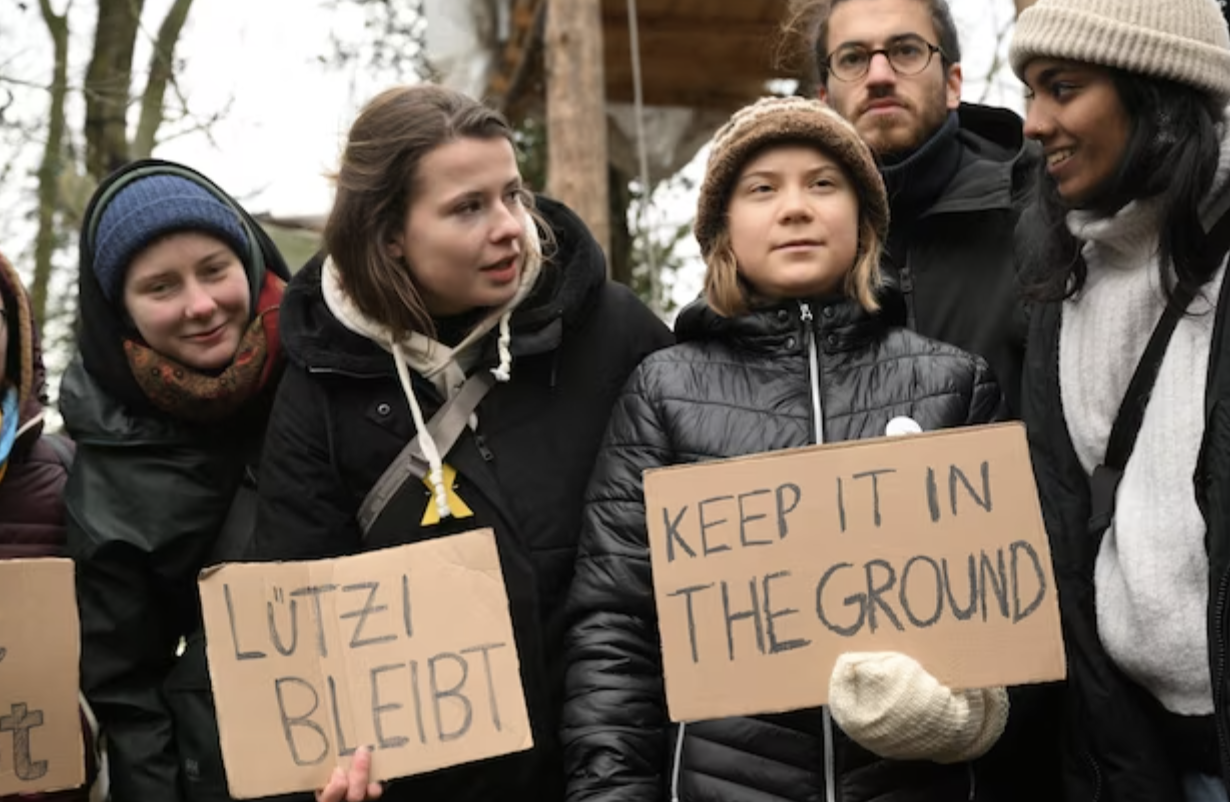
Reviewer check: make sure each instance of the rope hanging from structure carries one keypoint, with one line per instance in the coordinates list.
(642, 154)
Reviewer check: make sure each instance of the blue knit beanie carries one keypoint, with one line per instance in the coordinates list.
(150, 208)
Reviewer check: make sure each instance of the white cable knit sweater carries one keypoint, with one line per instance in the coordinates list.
(1151, 577)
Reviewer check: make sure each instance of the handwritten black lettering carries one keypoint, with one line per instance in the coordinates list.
(922, 623)
(957, 612)
(369, 607)
(290, 723)
(274, 635)
(874, 592)
(230, 614)
(998, 582)
(672, 533)
(314, 593)
(687, 594)
(783, 509)
(771, 615)
(19, 722)
(875, 495)
(739, 615)
(853, 600)
(396, 741)
(1018, 614)
(955, 474)
(706, 525)
(486, 648)
(745, 519)
(342, 749)
(454, 692)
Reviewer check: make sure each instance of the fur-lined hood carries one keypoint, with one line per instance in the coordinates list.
(24, 360)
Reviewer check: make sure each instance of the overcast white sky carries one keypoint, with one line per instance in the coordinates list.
(288, 112)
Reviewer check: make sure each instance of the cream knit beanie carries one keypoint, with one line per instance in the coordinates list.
(1178, 40)
(784, 119)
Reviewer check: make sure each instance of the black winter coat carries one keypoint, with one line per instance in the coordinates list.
(734, 387)
(341, 417)
(955, 261)
(151, 499)
(1114, 751)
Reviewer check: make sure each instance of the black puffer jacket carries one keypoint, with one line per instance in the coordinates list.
(341, 417)
(735, 387)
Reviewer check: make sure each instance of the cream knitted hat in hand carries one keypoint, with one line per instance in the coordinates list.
(891, 705)
(784, 119)
(1179, 40)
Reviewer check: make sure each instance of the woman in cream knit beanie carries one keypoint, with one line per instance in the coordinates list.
(1128, 101)
(795, 343)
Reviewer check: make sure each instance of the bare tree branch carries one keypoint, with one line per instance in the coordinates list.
(161, 72)
(53, 160)
(107, 85)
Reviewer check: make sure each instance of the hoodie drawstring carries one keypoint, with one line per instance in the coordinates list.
(430, 450)
(503, 372)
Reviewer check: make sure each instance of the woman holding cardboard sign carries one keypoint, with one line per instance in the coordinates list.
(1128, 379)
(796, 342)
(449, 293)
(178, 358)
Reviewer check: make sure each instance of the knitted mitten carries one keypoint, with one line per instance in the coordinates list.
(890, 705)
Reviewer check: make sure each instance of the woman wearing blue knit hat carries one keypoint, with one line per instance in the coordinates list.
(179, 355)
(1127, 381)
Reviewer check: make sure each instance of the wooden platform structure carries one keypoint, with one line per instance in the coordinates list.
(713, 54)
(710, 55)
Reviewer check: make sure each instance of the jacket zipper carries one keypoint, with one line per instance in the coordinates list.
(813, 372)
(817, 411)
(677, 769)
(906, 277)
(1219, 695)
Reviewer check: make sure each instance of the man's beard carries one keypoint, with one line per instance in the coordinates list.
(894, 138)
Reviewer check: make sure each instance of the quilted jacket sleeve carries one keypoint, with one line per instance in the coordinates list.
(614, 719)
(987, 403)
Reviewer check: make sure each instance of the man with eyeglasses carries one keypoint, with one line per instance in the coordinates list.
(958, 176)
(957, 173)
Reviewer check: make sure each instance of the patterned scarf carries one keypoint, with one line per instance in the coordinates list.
(205, 397)
(8, 427)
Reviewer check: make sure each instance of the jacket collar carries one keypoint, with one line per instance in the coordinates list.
(841, 323)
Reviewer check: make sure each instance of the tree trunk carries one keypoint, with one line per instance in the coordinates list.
(107, 83)
(52, 164)
(1021, 5)
(161, 73)
(576, 113)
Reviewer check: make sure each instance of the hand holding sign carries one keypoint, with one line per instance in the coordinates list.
(767, 568)
(352, 786)
(408, 649)
(893, 707)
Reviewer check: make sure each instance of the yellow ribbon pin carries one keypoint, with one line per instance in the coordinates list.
(431, 515)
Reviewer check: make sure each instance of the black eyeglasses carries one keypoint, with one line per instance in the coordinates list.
(907, 55)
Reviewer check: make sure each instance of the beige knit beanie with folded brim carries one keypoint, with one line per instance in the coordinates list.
(782, 120)
(1178, 40)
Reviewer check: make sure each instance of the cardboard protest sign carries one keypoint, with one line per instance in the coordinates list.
(767, 568)
(409, 650)
(40, 727)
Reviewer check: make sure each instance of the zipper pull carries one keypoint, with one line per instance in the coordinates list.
(805, 312)
(481, 444)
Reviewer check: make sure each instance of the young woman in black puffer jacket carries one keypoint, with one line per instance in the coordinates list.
(793, 345)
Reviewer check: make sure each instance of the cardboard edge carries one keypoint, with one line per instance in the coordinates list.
(830, 447)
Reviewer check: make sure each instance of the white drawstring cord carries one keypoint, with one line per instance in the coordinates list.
(430, 450)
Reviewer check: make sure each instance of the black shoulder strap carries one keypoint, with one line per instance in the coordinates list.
(444, 428)
(1105, 479)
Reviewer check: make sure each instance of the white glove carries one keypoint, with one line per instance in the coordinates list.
(890, 705)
